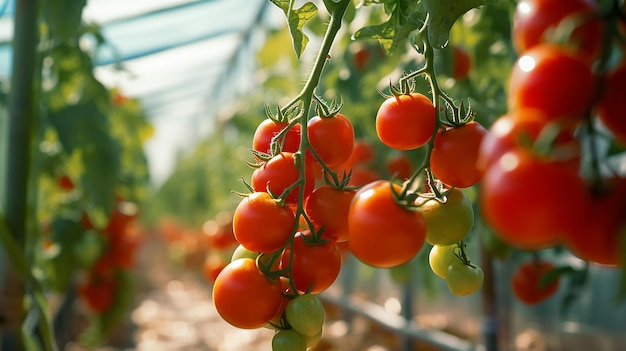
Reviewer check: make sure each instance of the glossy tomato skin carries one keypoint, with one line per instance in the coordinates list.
(305, 313)
(454, 159)
(261, 224)
(448, 223)
(279, 173)
(530, 202)
(533, 19)
(611, 108)
(267, 129)
(328, 207)
(314, 267)
(526, 282)
(332, 138)
(406, 122)
(599, 235)
(381, 233)
(244, 297)
(554, 80)
(440, 258)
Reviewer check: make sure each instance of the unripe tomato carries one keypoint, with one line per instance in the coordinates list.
(464, 279)
(448, 223)
(440, 258)
(305, 313)
(289, 340)
(406, 122)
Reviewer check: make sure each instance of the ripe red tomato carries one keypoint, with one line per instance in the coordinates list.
(328, 207)
(212, 266)
(534, 19)
(314, 266)
(261, 224)
(529, 202)
(520, 129)
(599, 234)
(554, 80)
(362, 176)
(611, 107)
(462, 63)
(454, 159)
(244, 296)
(526, 282)
(399, 166)
(382, 233)
(406, 122)
(219, 236)
(98, 292)
(267, 129)
(332, 138)
(279, 173)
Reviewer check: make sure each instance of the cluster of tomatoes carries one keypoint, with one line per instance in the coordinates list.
(546, 183)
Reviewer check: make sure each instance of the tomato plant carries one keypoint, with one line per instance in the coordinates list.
(405, 122)
(382, 233)
(244, 296)
(526, 282)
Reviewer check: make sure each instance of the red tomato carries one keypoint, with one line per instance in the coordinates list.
(381, 233)
(328, 207)
(406, 122)
(454, 159)
(530, 203)
(244, 296)
(219, 236)
(362, 176)
(399, 166)
(65, 182)
(279, 173)
(462, 63)
(526, 282)
(520, 129)
(212, 266)
(332, 138)
(98, 292)
(611, 108)
(554, 80)
(600, 232)
(313, 267)
(534, 19)
(261, 141)
(261, 224)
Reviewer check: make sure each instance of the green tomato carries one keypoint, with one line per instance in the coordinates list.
(440, 258)
(305, 314)
(242, 252)
(313, 340)
(448, 223)
(463, 279)
(289, 340)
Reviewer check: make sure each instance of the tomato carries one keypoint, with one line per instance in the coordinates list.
(534, 19)
(289, 340)
(399, 166)
(362, 154)
(448, 223)
(382, 233)
(406, 122)
(332, 138)
(520, 129)
(64, 182)
(244, 297)
(328, 207)
(305, 314)
(530, 203)
(98, 292)
(554, 80)
(212, 266)
(462, 63)
(267, 129)
(261, 224)
(599, 236)
(440, 258)
(611, 105)
(464, 279)
(218, 236)
(279, 173)
(314, 267)
(362, 176)
(526, 282)
(454, 159)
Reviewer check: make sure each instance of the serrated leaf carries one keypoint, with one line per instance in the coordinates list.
(442, 14)
(296, 19)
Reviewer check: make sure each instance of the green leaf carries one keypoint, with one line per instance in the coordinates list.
(296, 19)
(442, 14)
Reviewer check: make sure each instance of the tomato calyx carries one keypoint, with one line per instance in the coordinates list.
(327, 110)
